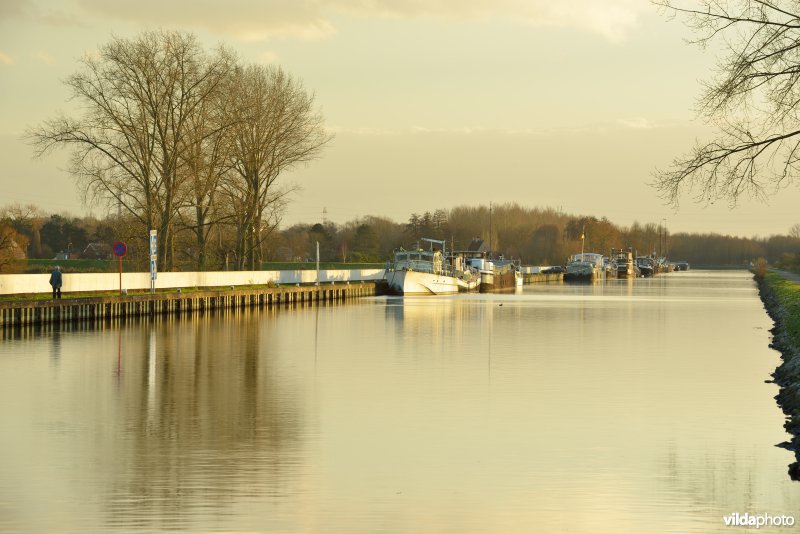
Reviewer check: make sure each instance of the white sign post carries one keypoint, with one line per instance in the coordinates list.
(153, 260)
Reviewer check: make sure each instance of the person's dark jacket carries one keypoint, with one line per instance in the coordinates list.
(55, 279)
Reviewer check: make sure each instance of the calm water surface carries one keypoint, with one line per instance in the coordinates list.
(629, 406)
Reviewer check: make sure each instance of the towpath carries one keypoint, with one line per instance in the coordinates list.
(794, 277)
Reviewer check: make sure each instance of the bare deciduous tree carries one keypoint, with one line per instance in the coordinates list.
(205, 160)
(752, 101)
(138, 95)
(275, 128)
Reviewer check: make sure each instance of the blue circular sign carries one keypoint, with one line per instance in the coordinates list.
(120, 248)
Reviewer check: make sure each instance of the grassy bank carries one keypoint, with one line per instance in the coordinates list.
(785, 296)
(32, 266)
(782, 300)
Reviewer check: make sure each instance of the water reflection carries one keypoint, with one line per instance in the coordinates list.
(206, 422)
(55, 344)
(628, 406)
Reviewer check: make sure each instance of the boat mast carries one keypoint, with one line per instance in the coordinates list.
(490, 227)
(583, 239)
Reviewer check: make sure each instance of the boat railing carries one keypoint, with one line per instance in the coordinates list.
(421, 266)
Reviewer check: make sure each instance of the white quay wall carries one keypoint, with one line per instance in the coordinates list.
(39, 283)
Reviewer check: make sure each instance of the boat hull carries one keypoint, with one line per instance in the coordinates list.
(626, 271)
(585, 267)
(466, 286)
(583, 273)
(498, 281)
(579, 277)
(421, 283)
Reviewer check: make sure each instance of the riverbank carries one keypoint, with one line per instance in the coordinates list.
(781, 298)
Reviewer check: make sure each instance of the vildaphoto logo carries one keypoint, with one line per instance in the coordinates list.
(757, 520)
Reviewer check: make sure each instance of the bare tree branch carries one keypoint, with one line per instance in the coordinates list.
(752, 102)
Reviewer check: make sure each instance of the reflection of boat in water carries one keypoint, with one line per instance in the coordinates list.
(585, 267)
(426, 324)
(427, 272)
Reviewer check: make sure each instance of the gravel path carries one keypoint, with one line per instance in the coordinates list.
(794, 277)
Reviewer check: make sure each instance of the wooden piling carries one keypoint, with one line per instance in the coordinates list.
(20, 313)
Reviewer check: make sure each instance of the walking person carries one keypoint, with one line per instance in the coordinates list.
(55, 281)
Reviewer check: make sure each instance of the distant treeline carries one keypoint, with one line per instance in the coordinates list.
(537, 236)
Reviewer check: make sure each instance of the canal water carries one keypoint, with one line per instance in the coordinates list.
(625, 406)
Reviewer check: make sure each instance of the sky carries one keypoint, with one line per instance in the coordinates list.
(433, 104)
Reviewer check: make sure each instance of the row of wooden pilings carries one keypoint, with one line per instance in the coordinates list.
(67, 310)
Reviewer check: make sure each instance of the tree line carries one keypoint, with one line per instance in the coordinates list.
(537, 236)
(188, 142)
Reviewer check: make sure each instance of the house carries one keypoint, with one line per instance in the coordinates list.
(478, 247)
(97, 251)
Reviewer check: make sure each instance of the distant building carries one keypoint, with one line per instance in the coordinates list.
(13, 250)
(478, 246)
(97, 251)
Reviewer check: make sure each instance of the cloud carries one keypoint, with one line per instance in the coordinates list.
(14, 8)
(44, 57)
(246, 20)
(638, 123)
(612, 19)
(601, 128)
(363, 131)
(5, 59)
(259, 20)
(268, 56)
(64, 14)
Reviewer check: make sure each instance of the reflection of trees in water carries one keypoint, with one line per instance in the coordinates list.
(208, 420)
(717, 481)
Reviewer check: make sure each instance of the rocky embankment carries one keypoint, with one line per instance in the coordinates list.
(782, 300)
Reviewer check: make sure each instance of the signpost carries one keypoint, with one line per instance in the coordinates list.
(153, 260)
(120, 249)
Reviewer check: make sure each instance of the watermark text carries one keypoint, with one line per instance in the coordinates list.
(757, 520)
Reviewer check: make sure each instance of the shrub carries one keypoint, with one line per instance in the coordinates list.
(760, 268)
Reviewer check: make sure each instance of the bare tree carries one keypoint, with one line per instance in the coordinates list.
(275, 127)
(205, 159)
(794, 231)
(138, 95)
(752, 102)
